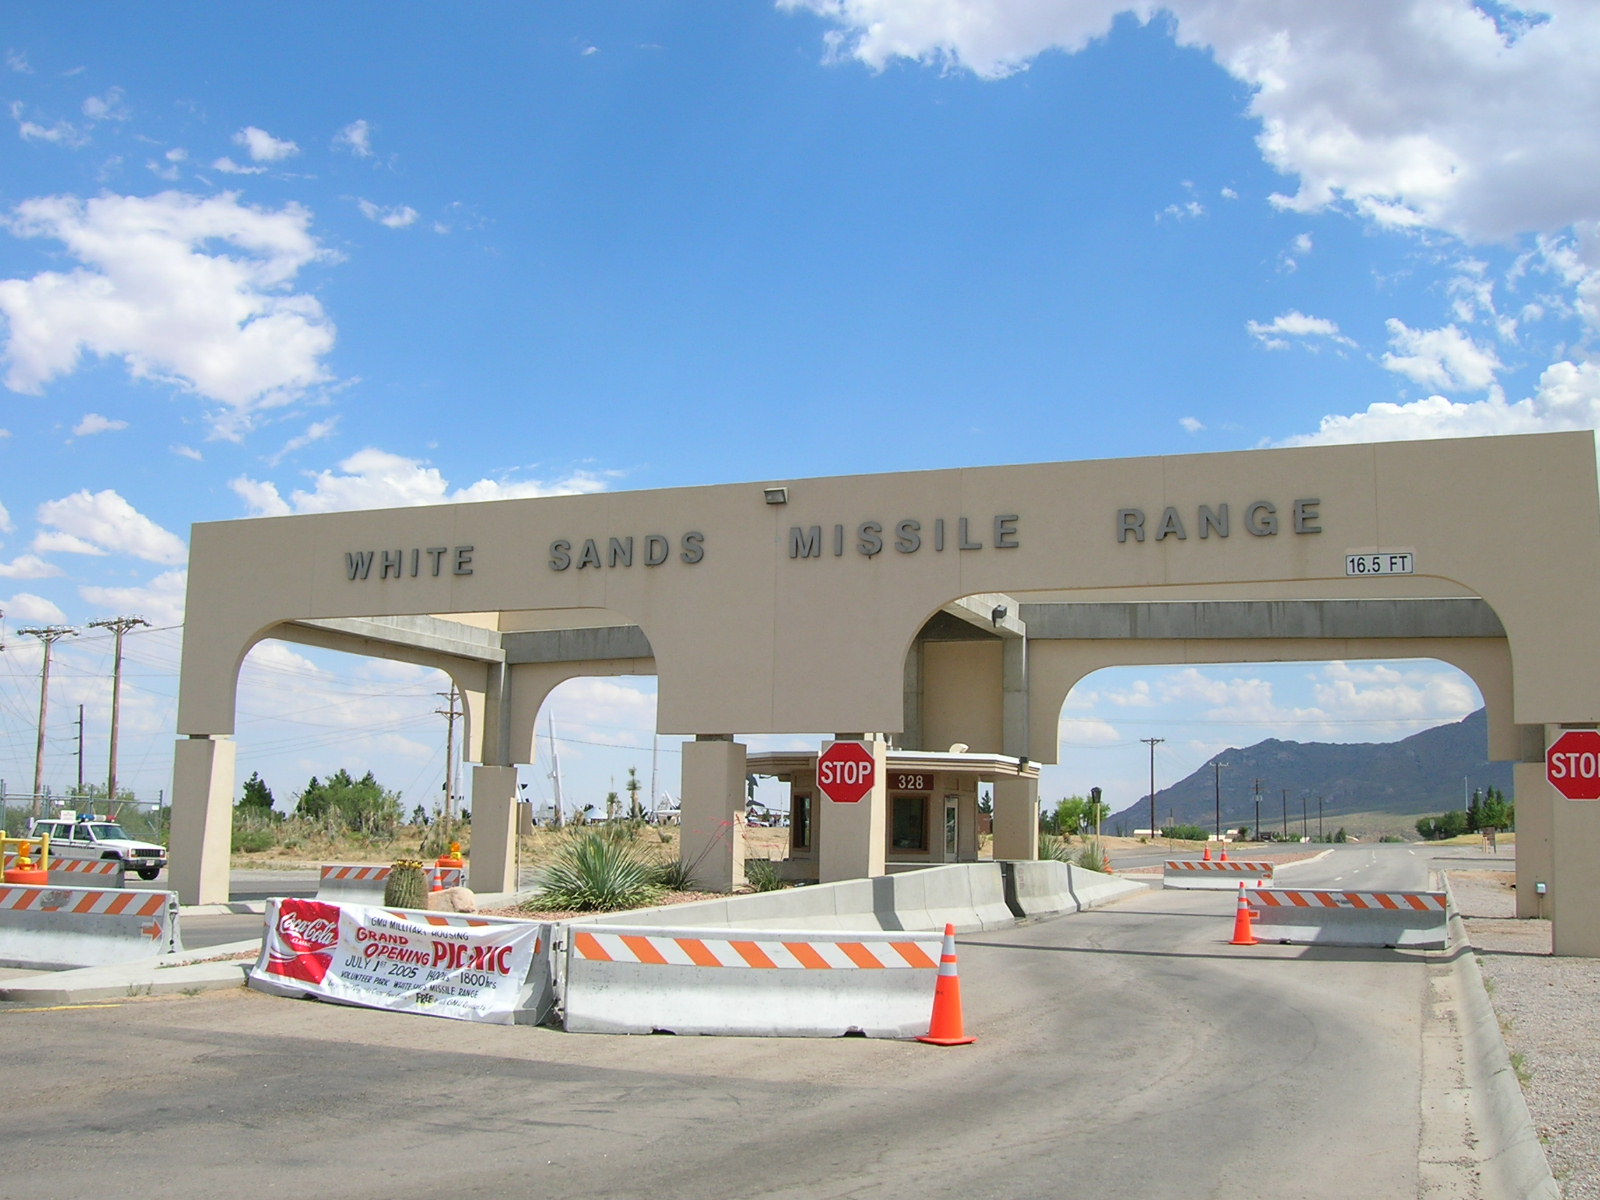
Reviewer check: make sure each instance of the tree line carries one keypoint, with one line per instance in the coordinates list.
(1487, 812)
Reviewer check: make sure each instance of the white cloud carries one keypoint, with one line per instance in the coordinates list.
(1274, 334)
(188, 452)
(29, 566)
(188, 290)
(64, 543)
(95, 423)
(27, 609)
(1191, 424)
(1378, 106)
(106, 108)
(60, 133)
(374, 478)
(160, 601)
(1440, 358)
(396, 217)
(1568, 397)
(263, 147)
(357, 138)
(18, 62)
(228, 167)
(107, 521)
(315, 432)
(5, 520)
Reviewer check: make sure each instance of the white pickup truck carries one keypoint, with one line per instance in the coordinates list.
(85, 836)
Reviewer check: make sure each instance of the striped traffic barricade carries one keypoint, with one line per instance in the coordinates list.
(60, 928)
(82, 872)
(1411, 920)
(757, 983)
(364, 883)
(1214, 874)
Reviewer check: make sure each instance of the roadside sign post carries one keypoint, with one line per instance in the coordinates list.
(852, 822)
(1572, 764)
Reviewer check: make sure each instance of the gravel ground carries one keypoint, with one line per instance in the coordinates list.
(1549, 1010)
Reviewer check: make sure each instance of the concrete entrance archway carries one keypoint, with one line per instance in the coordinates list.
(804, 605)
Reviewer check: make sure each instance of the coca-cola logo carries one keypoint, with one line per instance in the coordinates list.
(309, 926)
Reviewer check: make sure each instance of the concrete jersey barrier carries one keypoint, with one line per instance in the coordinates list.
(970, 896)
(1045, 888)
(363, 883)
(82, 872)
(1201, 874)
(758, 983)
(1412, 920)
(61, 928)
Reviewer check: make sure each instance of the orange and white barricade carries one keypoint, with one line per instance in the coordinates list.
(364, 883)
(60, 928)
(1410, 920)
(757, 983)
(1215, 874)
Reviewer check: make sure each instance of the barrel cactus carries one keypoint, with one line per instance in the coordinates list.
(407, 886)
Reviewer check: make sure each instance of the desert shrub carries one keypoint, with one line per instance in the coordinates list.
(762, 875)
(593, 870)
(675, 875)
(1056, 849)
(1092, 856)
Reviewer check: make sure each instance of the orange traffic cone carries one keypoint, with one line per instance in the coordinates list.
(1224, 854)
(1244, 933)
(1207, 858)
(945, 1028)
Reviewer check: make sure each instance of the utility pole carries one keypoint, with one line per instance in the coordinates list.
(1305, 823)
(49, 635)
(118, 626)
(1286, 814)
(1152, 743)
(1257, 825)
(450, 713)
(80, 750)
(1216, 777)
(1319, 819)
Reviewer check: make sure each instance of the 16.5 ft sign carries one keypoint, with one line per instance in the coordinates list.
(1572, 764)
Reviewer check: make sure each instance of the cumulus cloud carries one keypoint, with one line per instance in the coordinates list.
(1440, 358)
(29, 566)
(356, 137)
(107, 522)
(262, 146)
(374, 478)
(1568, 397)
(95, 423)
(106, 108)
(395, 217)
(160, 601)
(187, 290)
(27, 609)
(1275, 334)
(228, 167)
(1379, 106)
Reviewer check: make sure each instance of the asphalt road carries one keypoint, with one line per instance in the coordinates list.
(1129, 1051)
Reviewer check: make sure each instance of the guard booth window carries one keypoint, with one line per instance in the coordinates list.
(800, 821)
(909, 828)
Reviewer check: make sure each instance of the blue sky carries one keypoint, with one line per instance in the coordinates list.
(262, 259)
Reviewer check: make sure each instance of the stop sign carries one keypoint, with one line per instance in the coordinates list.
(1572, 764)
(846, 772)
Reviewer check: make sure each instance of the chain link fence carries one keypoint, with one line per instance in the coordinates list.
(146, 820)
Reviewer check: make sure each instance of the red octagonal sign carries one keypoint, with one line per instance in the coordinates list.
(1572, 764)
(846, 772)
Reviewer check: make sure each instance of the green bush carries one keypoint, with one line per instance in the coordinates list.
(1055, 849)
(1092, 857)
(675, 876)
(596, 871)
(253, 841)
(762, 874)
(1186, 833)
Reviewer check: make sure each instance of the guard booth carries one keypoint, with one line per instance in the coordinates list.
(930, 815)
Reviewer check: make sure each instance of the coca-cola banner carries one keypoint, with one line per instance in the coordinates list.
(444, 965)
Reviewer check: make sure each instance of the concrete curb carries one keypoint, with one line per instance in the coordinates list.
(1513, 1161)
(176, 974)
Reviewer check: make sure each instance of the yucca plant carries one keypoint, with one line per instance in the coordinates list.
(594, 871)
(1056, 849)
(675, 875)
(762, 874)
(1092, 857)
(407, 885)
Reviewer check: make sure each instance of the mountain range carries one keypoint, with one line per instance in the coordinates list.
(1422, 775)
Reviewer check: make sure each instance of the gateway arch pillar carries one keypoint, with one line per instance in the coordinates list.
(711, 841)
(202, 817)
